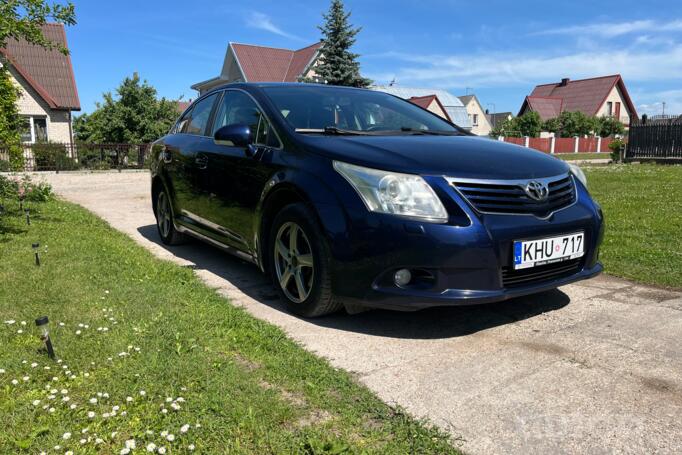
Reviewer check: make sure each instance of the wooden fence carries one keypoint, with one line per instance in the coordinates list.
(556, 145)
(656, 139)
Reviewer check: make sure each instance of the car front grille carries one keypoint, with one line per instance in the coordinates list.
(513, 278)
(510, 197)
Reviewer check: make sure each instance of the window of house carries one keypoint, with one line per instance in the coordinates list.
(609, 108)
(197, 120)
(33, 129)
(475, 120)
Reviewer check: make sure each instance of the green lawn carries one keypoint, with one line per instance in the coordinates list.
(145, 348)
(582, 156)
(643, 210)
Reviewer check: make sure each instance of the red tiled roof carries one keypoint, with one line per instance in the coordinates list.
(584, 95)
(545, 106)
(49, 72)
(425, 101)
(269, 64)
(183, 105)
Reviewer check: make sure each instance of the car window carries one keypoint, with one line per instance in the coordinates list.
(198, 118)
(237, 108)
(182, 123)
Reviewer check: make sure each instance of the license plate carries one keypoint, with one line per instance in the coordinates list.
(532, 253)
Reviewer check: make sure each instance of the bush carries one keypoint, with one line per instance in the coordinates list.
(25, 189)
(617, 146)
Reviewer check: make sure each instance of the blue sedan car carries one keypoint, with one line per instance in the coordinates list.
(353, 197)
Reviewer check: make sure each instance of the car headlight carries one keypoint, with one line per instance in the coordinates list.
(397, 194)
(578, 173)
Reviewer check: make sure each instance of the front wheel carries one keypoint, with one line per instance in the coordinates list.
(299, 262)
(164, 220)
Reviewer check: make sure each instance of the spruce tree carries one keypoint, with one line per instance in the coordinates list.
(337, 64)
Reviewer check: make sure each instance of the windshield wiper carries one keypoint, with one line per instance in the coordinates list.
(407, 129)
(332, 130)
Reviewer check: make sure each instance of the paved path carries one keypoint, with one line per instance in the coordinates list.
(592, 368)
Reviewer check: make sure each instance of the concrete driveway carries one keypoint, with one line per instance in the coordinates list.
(594, 367)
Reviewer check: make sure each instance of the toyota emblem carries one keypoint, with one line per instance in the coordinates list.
(536, 190)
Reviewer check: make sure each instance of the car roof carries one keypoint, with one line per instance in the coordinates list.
(246, 85)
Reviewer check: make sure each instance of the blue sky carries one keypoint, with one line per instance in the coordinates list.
(498, 50)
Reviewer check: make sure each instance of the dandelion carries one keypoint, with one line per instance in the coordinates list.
(66, 436)
(151, 447)
(184, 428)
(91, 414)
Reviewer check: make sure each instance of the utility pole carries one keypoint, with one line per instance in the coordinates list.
(663, 108)
(467, 90)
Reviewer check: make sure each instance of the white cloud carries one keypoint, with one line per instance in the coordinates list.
(513, 69)
(262, 21)
(653, 103)
(613, 29)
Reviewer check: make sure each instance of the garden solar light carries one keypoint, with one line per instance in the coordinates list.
(43, 324)
(35, 251)
(28, 217)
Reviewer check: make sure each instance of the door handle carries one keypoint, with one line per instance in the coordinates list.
(201, 161)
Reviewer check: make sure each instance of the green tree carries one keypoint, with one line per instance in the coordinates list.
(22, 20)
(337, 64)
(529, 124)
(609, 126)
(570, 124)
(135, 115)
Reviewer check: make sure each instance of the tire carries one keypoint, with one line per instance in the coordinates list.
(306, 288)
(164, 220)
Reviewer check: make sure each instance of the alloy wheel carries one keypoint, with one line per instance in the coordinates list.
(294, 262)
(163, 215)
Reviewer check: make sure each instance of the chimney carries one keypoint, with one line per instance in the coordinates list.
(564, 82)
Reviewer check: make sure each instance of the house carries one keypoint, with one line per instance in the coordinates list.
(250, 63)
(498, 118)
(47, 86)
(452, 105)
(183, 105)
(479, 122)
(431, 103)
(604, 96)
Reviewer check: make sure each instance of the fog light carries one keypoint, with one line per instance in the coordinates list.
(402, 277)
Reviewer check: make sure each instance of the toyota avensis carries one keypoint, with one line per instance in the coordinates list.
(354, 197)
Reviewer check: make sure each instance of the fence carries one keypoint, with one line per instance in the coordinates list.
(658, 138)
(554, 145)
(68, 157)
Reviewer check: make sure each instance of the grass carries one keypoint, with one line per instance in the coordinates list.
(582, 156)
(161, 352)
(643, 210)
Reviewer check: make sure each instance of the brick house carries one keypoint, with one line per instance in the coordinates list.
(47, 85)
(604, 96)
(250, 63)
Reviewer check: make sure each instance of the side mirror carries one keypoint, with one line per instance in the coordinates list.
(236, 135)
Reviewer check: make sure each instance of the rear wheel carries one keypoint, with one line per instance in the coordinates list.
(299, 262)
(164, 220)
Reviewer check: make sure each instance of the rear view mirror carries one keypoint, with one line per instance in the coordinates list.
(236, 135)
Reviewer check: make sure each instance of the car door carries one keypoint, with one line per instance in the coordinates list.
(187, 162)
(237, 175)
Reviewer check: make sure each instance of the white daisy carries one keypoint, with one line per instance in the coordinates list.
(99, 441)
(73, 406)
(190, 447)
(91, 414)
(15, 382)
(2, 371)
(36, 402)
(66, 436)
(184, 428)
(93, 400)
(63, 391)
(130, 444)
(171, 437)
(33, 365)
(26, 378)
(162, 450)
(78, 332)
(164, 433)
(129, 399)
(151, 447)
(125, 451)
(143, 393)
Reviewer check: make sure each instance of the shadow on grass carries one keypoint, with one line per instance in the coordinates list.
(432, 323)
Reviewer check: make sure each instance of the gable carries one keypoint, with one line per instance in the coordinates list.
(269, 64)
(48, 72)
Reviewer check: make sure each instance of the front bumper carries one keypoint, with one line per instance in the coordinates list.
(465, 258)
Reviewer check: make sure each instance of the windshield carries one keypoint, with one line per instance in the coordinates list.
(337, 110)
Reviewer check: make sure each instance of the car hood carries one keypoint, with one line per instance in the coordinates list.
(455, 156)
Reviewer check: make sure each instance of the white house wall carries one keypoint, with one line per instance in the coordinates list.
(30, 103)
(615, 97)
